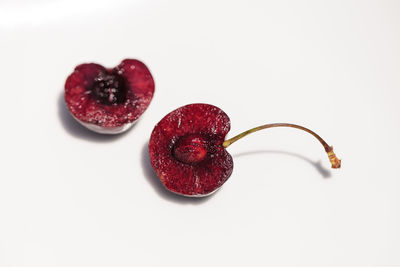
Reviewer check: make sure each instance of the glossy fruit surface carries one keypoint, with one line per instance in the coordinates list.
(109, 100)
(186, 150)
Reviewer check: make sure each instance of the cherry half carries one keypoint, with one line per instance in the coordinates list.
(109, 100)
(188, 149)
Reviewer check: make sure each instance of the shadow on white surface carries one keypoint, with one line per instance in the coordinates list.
(155, 182)
(77, 130)
(326, 173)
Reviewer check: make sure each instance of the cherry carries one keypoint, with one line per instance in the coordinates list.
(188, 149)
(109, 100)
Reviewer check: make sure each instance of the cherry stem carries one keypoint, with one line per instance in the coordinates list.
(328, 149)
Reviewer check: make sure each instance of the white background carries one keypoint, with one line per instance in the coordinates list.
(69, 197)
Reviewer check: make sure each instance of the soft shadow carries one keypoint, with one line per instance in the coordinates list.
(77, 130)
(155, 182)
(326, 173)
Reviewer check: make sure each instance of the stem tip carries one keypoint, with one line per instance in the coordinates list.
(333, 159)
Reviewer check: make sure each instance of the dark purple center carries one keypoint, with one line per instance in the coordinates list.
(109, 89)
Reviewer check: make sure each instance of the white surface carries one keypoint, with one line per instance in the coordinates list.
(72, 198)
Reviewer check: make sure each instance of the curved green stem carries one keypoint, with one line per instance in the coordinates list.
(328, 149)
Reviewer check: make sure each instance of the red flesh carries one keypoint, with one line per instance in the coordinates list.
(193, 127)
(140, 90)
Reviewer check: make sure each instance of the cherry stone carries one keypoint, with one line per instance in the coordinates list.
(190, 149)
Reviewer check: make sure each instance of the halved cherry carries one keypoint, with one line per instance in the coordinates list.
(188, 149)
(109, 100)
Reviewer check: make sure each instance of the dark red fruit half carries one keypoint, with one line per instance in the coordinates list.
(109, 100)
(186, 150)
